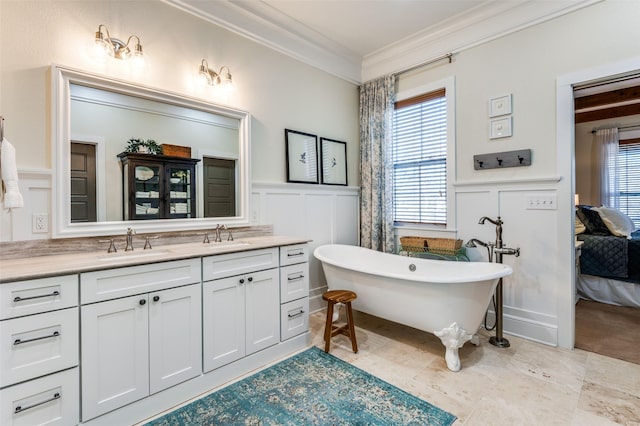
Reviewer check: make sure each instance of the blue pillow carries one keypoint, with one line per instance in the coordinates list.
(592, 221)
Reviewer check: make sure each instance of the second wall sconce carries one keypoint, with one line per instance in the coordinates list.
(116, 48)
(221, 79)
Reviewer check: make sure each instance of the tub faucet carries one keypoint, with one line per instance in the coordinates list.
(130, 234)
(498, 223)
(489, 246)
(499, 250)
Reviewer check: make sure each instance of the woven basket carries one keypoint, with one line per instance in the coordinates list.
(443, 243)
(413, 242)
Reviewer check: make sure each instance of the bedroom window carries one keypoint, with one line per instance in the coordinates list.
(629, 179)
(421, 139)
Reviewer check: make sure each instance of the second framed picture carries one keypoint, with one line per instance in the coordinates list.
(302, 156)
(333, 160)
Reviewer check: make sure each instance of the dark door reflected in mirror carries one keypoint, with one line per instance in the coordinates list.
(83, 182)
(219, 187)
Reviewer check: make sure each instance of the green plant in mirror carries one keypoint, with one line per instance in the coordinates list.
(140, 145)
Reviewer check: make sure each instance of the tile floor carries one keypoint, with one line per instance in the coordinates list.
(526, 384)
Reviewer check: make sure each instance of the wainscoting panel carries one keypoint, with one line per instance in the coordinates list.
(35, 187)
(530, 308)
(324, 214)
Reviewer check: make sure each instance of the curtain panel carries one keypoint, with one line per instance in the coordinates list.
(377, 99)
(606, 147)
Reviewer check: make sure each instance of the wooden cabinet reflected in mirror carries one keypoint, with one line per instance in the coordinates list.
(158, 186)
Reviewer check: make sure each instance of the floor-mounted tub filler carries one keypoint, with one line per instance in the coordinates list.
(448, 299)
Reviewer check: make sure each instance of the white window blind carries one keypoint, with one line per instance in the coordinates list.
(420, 159)
(629, 180)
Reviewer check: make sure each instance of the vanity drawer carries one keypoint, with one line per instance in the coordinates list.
(294, 318)
(290, 255)
(294, 282)
(37, 345)
(35, 296)
(50, 400)
(228, 265)
(121, 282)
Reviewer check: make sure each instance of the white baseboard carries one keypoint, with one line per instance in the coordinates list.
(528, 325)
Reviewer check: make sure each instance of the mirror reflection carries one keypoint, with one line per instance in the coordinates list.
(189, 170)
(104, 182)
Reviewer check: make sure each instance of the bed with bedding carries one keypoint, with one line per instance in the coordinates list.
(610, 259)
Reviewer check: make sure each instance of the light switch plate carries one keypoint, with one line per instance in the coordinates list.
(542, 202)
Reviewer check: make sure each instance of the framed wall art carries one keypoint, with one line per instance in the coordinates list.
(500, 106)
(302, 156)
(500, 128)
(333, 160)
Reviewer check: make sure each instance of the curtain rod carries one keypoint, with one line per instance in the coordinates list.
(619, 128)
(424, 64)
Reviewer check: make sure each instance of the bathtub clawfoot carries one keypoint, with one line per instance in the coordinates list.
(475, 340)
(453, 337)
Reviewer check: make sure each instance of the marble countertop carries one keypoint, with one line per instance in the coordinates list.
(47, 266)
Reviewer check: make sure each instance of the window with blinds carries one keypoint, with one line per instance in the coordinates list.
(420, 159)
(629, 180)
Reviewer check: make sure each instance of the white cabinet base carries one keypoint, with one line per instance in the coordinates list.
(146, 408)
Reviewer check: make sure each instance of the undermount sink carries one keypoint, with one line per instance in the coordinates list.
(126, 255)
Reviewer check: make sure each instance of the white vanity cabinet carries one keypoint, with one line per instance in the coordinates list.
(240, 305)
(294, 290)
(39, 351)
(137, 345)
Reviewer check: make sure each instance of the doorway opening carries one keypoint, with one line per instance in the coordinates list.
(607, 281)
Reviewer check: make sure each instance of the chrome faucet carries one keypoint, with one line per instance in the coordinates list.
(498, 223)
(489, 246)
(218, 239)
(230, 235)
(130, 234)
(499, 250)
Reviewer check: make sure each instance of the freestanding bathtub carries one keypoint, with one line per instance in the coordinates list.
(445, 298)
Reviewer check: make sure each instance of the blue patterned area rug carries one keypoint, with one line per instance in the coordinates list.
(310, 388)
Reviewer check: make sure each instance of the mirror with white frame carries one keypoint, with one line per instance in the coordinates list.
(102, 114)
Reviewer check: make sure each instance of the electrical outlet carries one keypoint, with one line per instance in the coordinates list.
(40, 223)
(541, 202)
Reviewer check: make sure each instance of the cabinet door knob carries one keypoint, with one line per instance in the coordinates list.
(156, 298)
(142, 302)
(250, 279)
(241, 280)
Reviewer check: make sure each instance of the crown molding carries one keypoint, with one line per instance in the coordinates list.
(266, 25)
(263, 24)
(477, 26)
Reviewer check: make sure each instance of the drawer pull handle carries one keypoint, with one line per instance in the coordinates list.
(299, 277)
(20, 299)
(297, 314)
(20, 341)
(299, 253)
(20, 409)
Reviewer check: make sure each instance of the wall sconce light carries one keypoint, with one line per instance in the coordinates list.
(221, 79)
(110, 46)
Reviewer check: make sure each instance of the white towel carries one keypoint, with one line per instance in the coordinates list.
(9, 170)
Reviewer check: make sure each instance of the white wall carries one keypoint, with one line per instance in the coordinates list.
(528, 64)
(278, 91)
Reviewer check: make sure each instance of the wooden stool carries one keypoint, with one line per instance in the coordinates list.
(333, 297)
